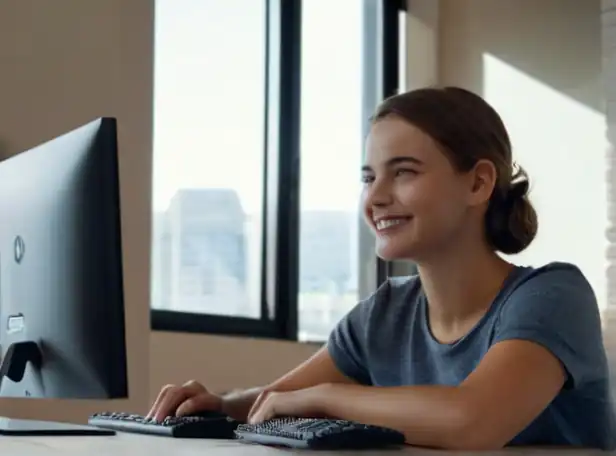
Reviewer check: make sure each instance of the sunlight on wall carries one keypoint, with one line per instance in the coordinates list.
(562, 145)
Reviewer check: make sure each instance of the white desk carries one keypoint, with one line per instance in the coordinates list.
(138, 445)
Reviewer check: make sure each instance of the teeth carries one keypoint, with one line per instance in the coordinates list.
(383, 224)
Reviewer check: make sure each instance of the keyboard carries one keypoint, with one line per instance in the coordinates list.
(318, 434)
(206, 425)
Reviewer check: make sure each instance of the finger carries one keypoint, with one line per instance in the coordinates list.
(170, 403)
(264, 411)
(194, 387)
(175, 397)
(257, 404)
(199, 403)
(255, 416)
(163, 392)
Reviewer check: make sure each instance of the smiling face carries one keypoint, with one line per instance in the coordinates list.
(414, 199)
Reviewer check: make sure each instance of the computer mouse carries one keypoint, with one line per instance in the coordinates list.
(213, 414)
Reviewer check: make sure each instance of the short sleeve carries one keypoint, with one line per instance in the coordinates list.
(347, 342)
(557, 309)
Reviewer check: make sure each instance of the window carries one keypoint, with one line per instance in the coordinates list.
(209, 155)
(331, 152)
(402, 49)
(258, 104)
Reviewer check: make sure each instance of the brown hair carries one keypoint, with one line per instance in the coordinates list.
(468, 129)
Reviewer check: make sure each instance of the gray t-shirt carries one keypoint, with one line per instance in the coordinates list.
(386, 341)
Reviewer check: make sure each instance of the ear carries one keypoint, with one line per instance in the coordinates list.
(483, 179)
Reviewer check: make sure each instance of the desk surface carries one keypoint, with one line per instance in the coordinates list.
(134, 445)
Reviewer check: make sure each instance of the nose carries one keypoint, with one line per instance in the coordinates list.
(378, 194)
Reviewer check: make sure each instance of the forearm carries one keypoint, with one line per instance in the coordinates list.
(430, 416)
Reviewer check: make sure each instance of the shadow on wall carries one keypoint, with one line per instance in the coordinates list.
(546, 45)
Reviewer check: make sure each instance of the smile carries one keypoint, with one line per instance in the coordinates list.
(390, 224)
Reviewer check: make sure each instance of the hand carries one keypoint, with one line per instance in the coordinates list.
(305, 403)
(190, 398)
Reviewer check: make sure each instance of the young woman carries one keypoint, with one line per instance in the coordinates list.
(474, 352)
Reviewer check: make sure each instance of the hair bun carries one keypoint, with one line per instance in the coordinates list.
(517, 189)
(511, 222)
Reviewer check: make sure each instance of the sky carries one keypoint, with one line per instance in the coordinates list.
(209, 99)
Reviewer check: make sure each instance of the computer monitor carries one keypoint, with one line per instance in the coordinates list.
(62, 328)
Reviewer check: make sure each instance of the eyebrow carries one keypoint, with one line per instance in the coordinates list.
(396, 161)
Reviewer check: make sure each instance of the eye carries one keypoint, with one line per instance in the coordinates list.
(366, 179)
(405, 171)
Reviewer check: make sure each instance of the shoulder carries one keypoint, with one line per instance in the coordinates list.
(401, 287)
(554, 286)
(555, 306)
(348, 342)
(396, 293)
(395, 297)
(552, 279)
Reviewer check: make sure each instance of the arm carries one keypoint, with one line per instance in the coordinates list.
(547, 338)
(318, 369)
(514, 382)
(341, 361)
(193, 397)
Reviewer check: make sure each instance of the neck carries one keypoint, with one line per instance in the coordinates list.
(462, 283)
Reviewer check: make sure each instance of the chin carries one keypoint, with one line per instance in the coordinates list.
(394, 252)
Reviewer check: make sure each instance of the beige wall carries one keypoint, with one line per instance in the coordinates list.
(64, 63)
(557, 42)
(67, 61)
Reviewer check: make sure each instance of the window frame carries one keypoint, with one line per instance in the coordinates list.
(281, 208)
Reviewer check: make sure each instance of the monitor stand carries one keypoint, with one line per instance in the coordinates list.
(13, 367)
